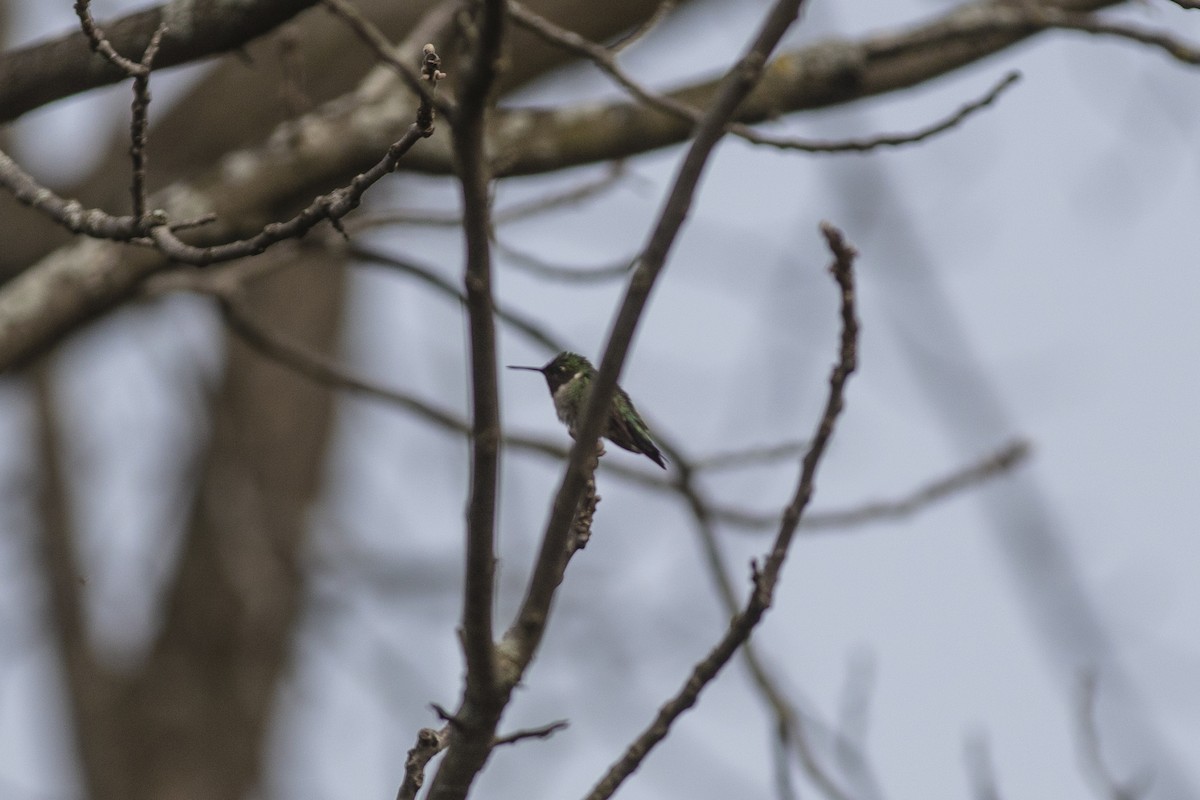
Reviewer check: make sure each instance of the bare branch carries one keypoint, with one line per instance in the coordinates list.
(527, 327)
(525, 634)
(748, 456)
(318, 367)
(46, 71)
(517, 211)
(32, 315)
(884, 139)
(475, 177)
(81, 280)
(766, 579)
(604, 59)
(94, 689)
(543, 732)
(419, 82)
(429, 744)
(484, 696)
(154, 225)
(1003, 460)
(100, 44)
(1050, 17)
(789, 728)
(139, 120)
(530, 263)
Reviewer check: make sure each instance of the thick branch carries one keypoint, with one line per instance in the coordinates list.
(46, 71)
(80, 281)
(471, 741)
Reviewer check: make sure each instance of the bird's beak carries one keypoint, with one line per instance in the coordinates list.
(531, 369)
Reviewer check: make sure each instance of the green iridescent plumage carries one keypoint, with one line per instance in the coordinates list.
(569, 376)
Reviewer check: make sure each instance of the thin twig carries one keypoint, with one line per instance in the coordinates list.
(385, 51)
(766, 578)
(332, 206)
(604, 59)
(139, 120)
(320, 368)
(748, 456)
(1049, 17)
(1008, 457)
(100, 43)
(155, 227)
(140, 72)
(542, 732)
(517, 211)
(529, 328)
(527, 262)
(882, 139)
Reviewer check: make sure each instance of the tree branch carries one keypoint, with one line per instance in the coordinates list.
(82, 280)
(525, 634)
(86, 278)
(1008, 457)
(766, 579)
(484, 698)
(605, 59)
(33, 76)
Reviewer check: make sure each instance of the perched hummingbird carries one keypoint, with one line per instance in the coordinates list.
(569, 376)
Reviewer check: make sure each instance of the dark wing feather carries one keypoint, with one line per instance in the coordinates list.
(631, 434)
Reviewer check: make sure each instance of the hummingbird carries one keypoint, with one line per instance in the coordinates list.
(569, 376)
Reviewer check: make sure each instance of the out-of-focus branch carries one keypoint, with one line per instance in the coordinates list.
(977, 756)
(574, 194)
(1093, 763)
(605, 59)
(155, 226)
(528, 262)
(51, 70)
(94, 690)
(1008, 457)
(140, 72)
(523, 637)
(523, 325)
(788, 726)
(748, 456)
(82, 280)
(766, 578)
(227, 288)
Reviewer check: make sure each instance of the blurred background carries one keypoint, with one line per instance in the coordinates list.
(268, 573)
